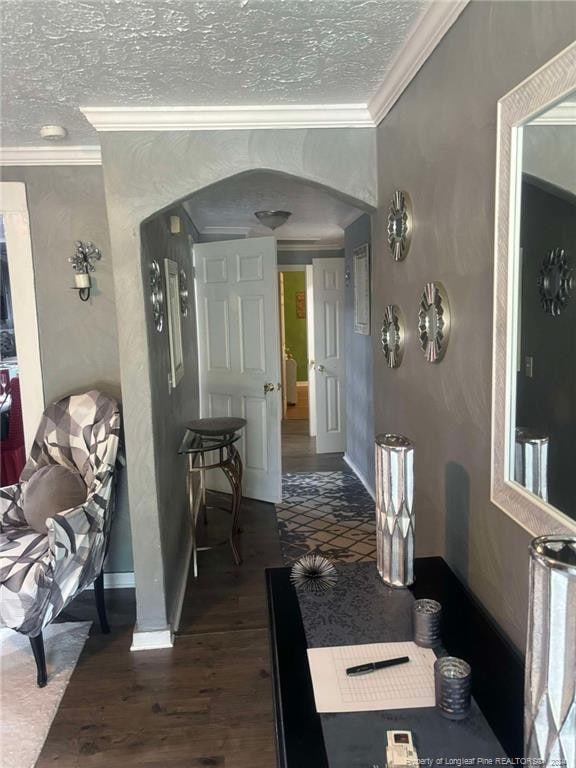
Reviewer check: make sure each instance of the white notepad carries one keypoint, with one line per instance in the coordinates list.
(406, 686)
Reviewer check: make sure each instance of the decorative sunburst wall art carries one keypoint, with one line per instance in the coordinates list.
(157, 296)
(399, 225)
(392, 336)
(434, 322)
(313, 573)
(555, 281)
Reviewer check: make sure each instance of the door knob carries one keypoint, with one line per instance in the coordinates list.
(269, 387)
(320, 368)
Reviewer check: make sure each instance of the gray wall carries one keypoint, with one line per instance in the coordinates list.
(286, 258)
(172, 407)
(143, 174)
(359, 390)
(439, 144)
(78, 344)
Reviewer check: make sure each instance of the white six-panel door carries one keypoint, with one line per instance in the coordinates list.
(239, 351)
(329, 368)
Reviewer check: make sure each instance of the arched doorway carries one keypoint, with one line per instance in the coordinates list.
(144, 174)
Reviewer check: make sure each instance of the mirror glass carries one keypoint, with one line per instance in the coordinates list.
(543, 440)
(391, 337)
(432, 322)
(398, 226)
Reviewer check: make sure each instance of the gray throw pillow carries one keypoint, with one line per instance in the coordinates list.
(51, 490)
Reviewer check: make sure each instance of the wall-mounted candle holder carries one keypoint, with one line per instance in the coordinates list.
(82, 264)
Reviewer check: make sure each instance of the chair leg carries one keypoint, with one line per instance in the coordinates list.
(37, 644)
(101, 604)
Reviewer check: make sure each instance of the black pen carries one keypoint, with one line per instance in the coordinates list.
(365, 669)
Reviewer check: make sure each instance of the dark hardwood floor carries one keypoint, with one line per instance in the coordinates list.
(205, 702)
(208, 700)
(299, 451)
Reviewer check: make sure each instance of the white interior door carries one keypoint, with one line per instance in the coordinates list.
(310, 345)
(329, 368)
(238, 341)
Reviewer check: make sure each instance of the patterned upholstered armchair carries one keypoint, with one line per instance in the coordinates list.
(41, 573)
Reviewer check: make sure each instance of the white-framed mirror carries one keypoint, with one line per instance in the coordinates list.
(534, 373)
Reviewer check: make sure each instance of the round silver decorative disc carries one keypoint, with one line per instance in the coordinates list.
(184, 293)
(392, 336)
(157, 296)
(434, 322)
(399, 225)
(555, 281)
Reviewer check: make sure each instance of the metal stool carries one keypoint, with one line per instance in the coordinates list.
(205, 436)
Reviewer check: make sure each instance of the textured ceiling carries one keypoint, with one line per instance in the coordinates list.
(61, 54)
(231, 203)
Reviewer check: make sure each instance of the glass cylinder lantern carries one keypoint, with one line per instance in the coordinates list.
(550, 694)
(394, 511)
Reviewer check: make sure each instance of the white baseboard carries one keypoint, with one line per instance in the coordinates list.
(151, 640)
(118, 581)
(359, 475)
(175, 622)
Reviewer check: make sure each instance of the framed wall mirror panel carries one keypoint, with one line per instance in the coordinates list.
(534, 373)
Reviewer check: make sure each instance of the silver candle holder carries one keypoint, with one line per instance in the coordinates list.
(550, 688)
(452, 683)
(394, 511)
(427, 621)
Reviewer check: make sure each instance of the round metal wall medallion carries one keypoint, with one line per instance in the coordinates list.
(184, 293)
(399, 225)
(157, 296)
(555, 281)
(392, 336)
(434, 322)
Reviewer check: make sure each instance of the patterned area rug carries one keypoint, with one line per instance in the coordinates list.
(327, 512)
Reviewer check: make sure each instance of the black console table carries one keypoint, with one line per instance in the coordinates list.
(362, 610)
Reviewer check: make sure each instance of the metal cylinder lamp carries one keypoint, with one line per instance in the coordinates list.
(394, 511)
(550, 693)
(531, 461)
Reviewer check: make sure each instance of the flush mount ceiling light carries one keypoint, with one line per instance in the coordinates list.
(53, 132)
(272, 219)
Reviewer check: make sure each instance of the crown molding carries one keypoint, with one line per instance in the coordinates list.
(287, 247)
(427, 32)
(68, 155)
(228, 118)
(245, 231)
(561, 114)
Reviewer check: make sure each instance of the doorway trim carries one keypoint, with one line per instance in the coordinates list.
(14, 210)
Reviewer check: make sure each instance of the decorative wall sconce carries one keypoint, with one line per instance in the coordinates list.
(184, 293)
(157, 296)
(82, 264)
(555, 281)
(399, 225)
(434, 322)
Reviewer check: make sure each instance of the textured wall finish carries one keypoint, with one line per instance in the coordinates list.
(145, 173)
(439, 143)
(171, 408)
(78, 342)
(59, 55)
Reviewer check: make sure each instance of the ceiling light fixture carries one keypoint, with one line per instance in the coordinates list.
(53, 132)
(272, 219)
